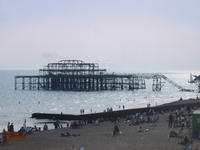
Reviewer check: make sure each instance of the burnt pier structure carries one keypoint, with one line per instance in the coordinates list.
(77, 75)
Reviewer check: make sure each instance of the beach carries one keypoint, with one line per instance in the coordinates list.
(155, 136)
(99, 75)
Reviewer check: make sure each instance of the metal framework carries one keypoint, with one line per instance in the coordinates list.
(76, 75)
(157, 83)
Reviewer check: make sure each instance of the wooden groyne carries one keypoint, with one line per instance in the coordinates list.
(119, 113)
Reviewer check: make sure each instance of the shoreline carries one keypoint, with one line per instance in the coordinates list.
(99, 136)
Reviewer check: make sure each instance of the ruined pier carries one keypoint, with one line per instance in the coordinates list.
(76, 75)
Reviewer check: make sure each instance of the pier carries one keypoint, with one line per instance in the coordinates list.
(77, 75)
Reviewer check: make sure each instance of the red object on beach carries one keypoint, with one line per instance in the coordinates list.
(13, 136)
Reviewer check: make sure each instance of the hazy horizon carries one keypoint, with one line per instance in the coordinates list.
(122, 36)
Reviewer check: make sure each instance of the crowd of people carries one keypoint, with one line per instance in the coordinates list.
(82, 111)
(108, 109)
(181, 119)
(143, 117)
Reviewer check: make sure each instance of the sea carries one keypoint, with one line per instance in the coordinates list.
(17, 106)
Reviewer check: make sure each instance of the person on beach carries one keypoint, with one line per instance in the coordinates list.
(24, 125)
(22, 129)
(82, 148)
(185, 141)
(11, 127)
(8, 126)
(137, 121)
(67, 124)
(139, 129)
(97, 122)
(45, 127)
(116, 130)
(68, 134)
(180, 134)
(148, 105)
(181, 99)
(4, 137)
(35, 128)
(57, 124)
(170, 120)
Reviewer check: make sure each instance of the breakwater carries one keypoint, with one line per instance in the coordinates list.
(120, 113)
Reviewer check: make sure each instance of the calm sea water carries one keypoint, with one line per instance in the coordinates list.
(18, 105)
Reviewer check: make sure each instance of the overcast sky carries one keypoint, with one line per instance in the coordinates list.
(126, 36)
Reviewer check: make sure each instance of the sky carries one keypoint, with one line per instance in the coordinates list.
(120, 35)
